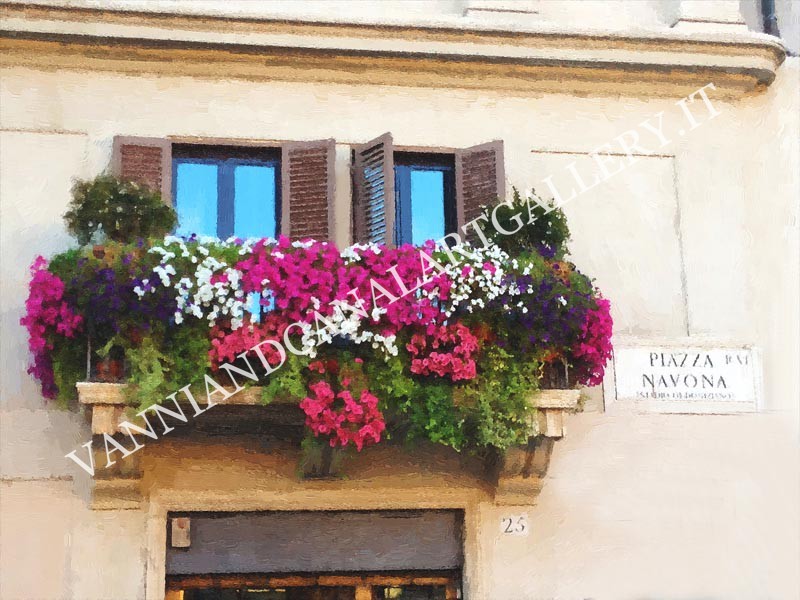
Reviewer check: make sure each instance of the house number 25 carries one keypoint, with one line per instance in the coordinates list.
(514, 525)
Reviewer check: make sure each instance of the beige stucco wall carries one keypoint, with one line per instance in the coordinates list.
(634, 505)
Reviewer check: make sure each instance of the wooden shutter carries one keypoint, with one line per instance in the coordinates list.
(373, 187)
(480, 179)
(145, 160)
(307, 180)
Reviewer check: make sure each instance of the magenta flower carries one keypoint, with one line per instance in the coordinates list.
(593, 350)
(47, 315)
(345, 418)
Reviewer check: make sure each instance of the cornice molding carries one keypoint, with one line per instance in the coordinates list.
(591, 63)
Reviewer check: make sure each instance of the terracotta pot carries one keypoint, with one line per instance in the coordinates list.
(109, 370)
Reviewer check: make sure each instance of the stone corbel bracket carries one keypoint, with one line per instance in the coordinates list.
(117, 487)
(522, 469)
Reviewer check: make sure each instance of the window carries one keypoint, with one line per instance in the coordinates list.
(226, 191)
(425, 206)
(409, 197)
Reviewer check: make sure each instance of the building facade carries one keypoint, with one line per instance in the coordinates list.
(668, 129)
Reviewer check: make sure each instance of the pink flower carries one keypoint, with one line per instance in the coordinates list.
(593, 350)
(457, 358)
(47, 315)
(227, 345)
(307, 279)
(346, 419)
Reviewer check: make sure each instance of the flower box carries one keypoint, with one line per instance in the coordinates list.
(446, 343)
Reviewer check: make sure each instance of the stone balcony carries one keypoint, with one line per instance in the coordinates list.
(516, 478)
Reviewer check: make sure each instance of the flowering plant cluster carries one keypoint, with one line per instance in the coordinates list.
(593, 348)
(440, 343)
(340, 407)
(448, 352)
(47, 318)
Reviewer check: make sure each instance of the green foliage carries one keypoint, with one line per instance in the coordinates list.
(122, 211)
(432, 415)
(288, 382)
(69, 367)
(418, 408)
(496, 404)
(148, 382)
(188, 347)
(491, 411)
(164, 361)
(65, 264)
(537, 229)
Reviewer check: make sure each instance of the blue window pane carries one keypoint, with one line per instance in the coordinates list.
(196, 199)
(253, 306)
(254, 201)
(427, 205)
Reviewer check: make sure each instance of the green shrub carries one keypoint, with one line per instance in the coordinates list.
(118, 210)
(548, 234)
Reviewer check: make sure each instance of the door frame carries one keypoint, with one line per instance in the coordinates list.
(163, 501)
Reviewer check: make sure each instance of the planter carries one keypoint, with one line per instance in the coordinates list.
(555, 375)
(109, 370)
(107, 365)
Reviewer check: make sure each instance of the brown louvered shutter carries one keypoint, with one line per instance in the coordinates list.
(480, 179)
(307, 180)
(145, 160)
(373, 187)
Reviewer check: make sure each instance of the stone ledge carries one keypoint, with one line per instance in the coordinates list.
(108, 406)
(518, 476)
(459, 55)
(120, 493)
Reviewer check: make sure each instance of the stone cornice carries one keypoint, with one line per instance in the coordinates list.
(443, 54)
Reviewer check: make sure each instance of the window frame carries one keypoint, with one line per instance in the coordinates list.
(226, 159)
(403, 163)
